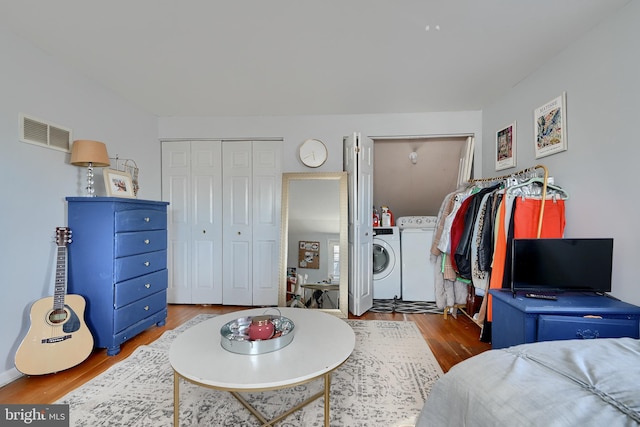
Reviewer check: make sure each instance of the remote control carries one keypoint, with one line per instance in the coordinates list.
(540, 296)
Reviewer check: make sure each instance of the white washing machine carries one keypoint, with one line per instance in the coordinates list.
(386, 263)
(416, 236)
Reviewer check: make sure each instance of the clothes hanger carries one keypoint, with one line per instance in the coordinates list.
(537, 180)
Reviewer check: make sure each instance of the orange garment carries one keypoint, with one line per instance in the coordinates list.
(527, 214)
(499, 256)
(525, 226)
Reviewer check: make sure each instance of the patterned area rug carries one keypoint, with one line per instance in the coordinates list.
(384, 383)
(399, 306)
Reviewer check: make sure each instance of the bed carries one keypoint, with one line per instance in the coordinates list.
(554, 383)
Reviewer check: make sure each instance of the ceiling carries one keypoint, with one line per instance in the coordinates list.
(291, 57)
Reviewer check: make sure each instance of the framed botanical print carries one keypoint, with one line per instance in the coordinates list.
(550, 127)
(506, 147)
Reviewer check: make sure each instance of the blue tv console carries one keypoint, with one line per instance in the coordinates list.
(519, 320)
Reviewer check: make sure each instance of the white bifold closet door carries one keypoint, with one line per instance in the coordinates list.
(192, 184)
(224, 220)
(252, 193)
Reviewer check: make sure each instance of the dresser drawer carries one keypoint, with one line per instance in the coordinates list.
(134, 312)
(139, 265)
(134, 289)
(139, 242)
(552, 327)
(140, 219)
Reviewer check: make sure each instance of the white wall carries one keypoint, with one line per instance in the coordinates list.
(328, 128)
(601, 76)
(35, 180)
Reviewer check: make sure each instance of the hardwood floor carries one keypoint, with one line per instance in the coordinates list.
(451, 340)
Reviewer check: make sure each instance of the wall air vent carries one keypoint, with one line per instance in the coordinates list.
(39, 132)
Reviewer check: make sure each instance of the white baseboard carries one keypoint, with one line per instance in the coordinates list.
(9, 376)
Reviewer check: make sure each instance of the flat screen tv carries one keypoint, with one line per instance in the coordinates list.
(561, 265)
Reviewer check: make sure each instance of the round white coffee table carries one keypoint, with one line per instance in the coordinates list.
(322, 342)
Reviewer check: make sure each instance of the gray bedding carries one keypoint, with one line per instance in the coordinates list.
(555, 383)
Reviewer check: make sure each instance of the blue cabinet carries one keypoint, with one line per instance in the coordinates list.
(520, 320)
(118, 262)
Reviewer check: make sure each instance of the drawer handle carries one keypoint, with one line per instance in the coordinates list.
(146, 308)
(147, 263)
(147, 219)
(146, 241)
(147, 286)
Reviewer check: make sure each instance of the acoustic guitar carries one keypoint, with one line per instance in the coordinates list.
(58, 338)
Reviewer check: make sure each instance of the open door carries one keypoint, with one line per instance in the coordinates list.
(466, 161)
(358, 163)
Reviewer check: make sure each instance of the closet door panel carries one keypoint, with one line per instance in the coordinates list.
(267, 195)
(192, 183)
(206, 262)
(237, 218)
(237, 290)
(239, 214)
(206, 172)
(265, 281)
(176, 189)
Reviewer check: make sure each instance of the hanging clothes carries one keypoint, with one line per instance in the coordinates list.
(462, 251)
(448, 291)
(475, 228)
(523, 219)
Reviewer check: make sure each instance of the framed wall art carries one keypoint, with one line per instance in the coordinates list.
(118, 183)
(550, 127)
(308, 254)
(506, 147)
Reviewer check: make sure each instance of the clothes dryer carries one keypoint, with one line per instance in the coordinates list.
(418, 271)
(386, 263)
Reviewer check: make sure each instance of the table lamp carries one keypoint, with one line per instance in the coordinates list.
(91, 154)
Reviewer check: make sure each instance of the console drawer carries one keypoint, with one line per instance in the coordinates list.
(551, 327)
(134, 312)
(140, 219)
(133, 243)
(131, 290)
(139, 265)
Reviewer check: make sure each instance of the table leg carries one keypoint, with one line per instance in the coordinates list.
(176, 399)
(333, 304)
(327, 389)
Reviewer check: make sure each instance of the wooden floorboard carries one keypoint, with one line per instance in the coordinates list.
(451, 340)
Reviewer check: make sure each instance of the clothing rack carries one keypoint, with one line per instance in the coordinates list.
(523, 172)
(463, 307)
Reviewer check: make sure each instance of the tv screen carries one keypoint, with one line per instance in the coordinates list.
(556, 265)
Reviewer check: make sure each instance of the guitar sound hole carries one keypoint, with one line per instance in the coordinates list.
(57, 316)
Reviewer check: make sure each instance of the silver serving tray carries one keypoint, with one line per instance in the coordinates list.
(234, 336)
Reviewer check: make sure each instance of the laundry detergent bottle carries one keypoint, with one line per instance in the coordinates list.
(385, 217)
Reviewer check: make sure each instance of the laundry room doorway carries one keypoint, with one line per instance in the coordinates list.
(412, 175)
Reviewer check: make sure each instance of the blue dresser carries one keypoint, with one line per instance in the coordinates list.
(523, 320)
(118, 262)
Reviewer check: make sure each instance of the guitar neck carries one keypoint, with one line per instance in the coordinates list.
(61, 278)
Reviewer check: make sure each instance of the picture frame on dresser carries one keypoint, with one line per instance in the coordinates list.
(118, 183)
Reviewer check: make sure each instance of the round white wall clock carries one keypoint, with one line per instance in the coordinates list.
(313, 153)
